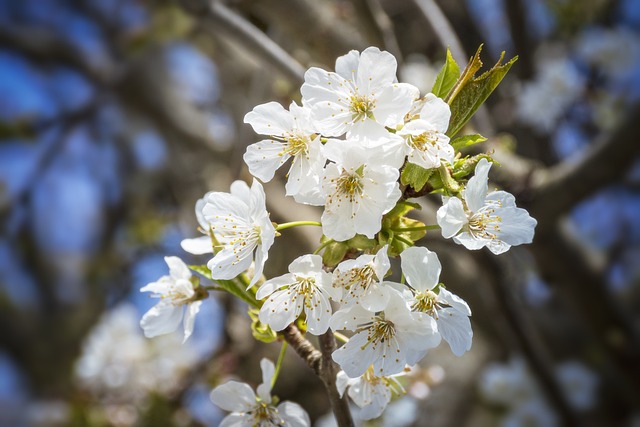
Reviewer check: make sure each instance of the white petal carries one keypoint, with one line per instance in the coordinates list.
(189, 318)
(198, 246)
(269, 119)
(454, 301)
(421, 267)
(272, 285)
(394, 102)
(177, 268)
(280, 309)
(472, 243)
(347, 65)
(234, 396)
(240, 190)
(455, 329)
(318, 315)
(237, 420)
(293, 415)
(436, 112)
(163, 318)
(265, 157)
(376, 70)
(477, 187)
(226, 265)
(517, 227)
(352, 358)
(451, 217)
(268, 371)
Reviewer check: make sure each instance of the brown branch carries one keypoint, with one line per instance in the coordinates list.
(528, 340)
(219, 17)
(322, 364)
(561, 187)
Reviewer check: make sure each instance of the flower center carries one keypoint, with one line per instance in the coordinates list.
(297, 144)
(484, 224)
(361, 107)
(423, 141)
(350, 185)
(380, 331)
(266, 415)
(425, 302)
(306, 286)
(358, 280)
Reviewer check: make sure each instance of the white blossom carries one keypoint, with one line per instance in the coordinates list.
(250, 409)
(362, 96)
(204, 244)
(361, 280)
(359, 190)
(240, 223)
(421, 268)
(307, 286)
(482, 219)
(426, 144)
(369, 392)
(388, 339)
(293, 135)
(177, 295)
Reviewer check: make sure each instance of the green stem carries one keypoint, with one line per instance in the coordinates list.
(279, 363)
(421, 228)
(341, 337)
(403, 240)
(286, 225)
(322, 246)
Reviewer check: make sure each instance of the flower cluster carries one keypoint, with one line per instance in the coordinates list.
(353, 145)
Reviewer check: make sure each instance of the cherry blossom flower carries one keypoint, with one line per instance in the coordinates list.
(361, 280)
(204, 244)
(293, 135)
(425, 141)
(421, 268)
(388, 339)
(176, 292)
(249, 409)
(362, 96)
(307, 286)
(359, 190)
(240, 223)
(369, 392)
(482, 219)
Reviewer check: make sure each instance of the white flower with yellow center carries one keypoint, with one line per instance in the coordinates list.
(421, 269)
(361, 97)
(482, 219)
(306, 287)
(361, 280)
(176, 292)
(425, 142)
(388, 339)
(249, 409)
(359, 190)
(292, 135)
(369, 392)
(240, 223)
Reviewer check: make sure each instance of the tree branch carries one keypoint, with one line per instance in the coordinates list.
(221, 18)
(560, 188)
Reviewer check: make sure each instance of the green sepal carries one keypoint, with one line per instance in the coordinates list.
(466, 141)
(415, 176)
(447, 77)
(394, 221)
(361, 243)
(259, 330)
(467, 165)
(334, 253)
(470, 92)
(203, 270)
(448, 181)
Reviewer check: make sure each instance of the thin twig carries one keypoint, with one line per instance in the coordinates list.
(221, 18)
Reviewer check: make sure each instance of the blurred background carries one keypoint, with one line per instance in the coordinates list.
(117, 115)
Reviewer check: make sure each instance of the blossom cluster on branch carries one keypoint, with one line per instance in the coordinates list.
(361, 145)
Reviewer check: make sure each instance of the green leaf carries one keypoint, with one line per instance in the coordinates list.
(234, 287)
(466, 166)
(470, 92)
(415, 176)
(448, 181)
(447, 77)
(466, 141)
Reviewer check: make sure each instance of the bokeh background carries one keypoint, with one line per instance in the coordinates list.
(117, 115)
